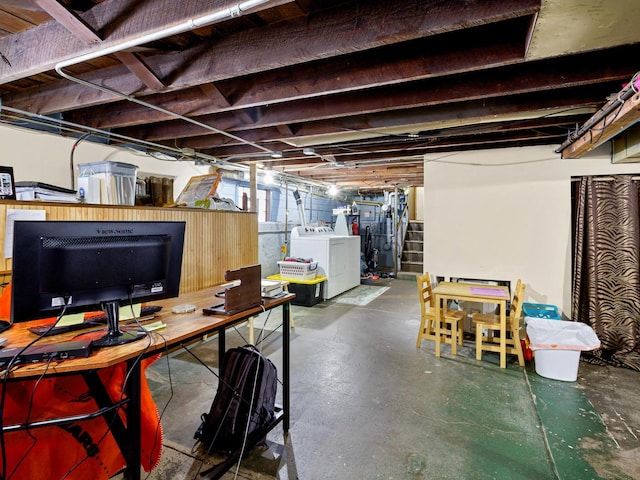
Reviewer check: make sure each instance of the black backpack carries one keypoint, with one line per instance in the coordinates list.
(224, 427)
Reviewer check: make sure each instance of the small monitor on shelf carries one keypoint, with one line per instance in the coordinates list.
(79, 266)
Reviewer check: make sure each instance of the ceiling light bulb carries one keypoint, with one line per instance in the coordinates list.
(276, 154)
(332, 191)
(308, 151)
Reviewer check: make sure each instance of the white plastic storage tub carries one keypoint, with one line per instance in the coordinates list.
(557, 345)
(558, 364)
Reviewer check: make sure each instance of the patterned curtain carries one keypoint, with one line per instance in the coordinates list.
(606, 273)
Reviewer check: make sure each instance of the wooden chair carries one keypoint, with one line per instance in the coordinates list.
(450, 321)
(511, 332)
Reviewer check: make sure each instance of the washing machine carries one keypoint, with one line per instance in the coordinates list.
(338, 256)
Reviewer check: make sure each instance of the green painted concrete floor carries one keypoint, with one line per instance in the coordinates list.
(366, 404)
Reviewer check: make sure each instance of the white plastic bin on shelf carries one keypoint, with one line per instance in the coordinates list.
(557, 345)
(110, 183)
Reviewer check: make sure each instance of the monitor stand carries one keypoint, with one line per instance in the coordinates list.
(114, 335)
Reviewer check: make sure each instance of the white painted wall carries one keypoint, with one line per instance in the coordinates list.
(419, 192)
(505, 214)
(43, 157)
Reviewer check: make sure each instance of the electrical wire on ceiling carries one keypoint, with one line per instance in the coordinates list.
(425, 137)
(71, 165)
(10, 116)
(133, 99)
(43, 120)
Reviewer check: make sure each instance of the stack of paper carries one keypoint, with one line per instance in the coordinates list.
(271, 288)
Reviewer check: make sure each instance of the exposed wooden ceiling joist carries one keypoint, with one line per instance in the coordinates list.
(118, 20)
(371, 85)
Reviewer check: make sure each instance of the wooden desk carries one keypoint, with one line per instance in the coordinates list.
(472, 292)
(181, 329)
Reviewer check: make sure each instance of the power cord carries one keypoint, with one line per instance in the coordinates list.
(122, 392)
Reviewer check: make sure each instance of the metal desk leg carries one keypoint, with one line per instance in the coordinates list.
(286, 334)
(101, 396)
(222, 347)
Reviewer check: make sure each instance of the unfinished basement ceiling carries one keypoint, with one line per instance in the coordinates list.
(365, 88)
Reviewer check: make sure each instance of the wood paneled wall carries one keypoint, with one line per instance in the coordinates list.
(215, 241)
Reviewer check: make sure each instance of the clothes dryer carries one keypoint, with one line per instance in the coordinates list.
(338, 256)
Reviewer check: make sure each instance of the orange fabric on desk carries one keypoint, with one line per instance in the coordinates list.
(5, 303)
(85, 449)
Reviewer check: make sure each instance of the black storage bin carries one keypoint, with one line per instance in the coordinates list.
(307, 295)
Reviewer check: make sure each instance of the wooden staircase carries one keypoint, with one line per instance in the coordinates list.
(411, 260)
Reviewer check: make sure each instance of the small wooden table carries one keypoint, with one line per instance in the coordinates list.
(474, 292)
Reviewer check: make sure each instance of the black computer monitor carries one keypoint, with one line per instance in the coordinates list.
(92, 265)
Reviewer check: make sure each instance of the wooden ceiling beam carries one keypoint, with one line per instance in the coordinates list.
(269, 47)
(406, 111)
(117, 18)
(70, 20)
(462, 51)
(275, 134)
(81, 29)
(409, 154)
(512, 80)
(140, 69)
(212, 92)
(520, 79)
(369, 174)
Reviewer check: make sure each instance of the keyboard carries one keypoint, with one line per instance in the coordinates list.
(98, 320)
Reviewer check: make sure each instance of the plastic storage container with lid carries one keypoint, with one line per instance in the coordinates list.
(108, 183)
(541, 310)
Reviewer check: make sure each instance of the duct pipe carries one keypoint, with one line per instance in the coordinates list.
(186, 26)
(389, 232)
(296, 195)
(286, 220)
(191, 24)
